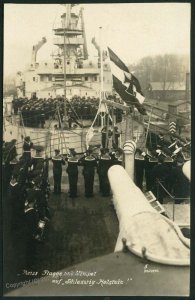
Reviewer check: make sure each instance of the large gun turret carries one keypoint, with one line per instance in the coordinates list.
(36, 48)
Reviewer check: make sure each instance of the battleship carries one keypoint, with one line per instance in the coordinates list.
(103, 246)
(70, 74)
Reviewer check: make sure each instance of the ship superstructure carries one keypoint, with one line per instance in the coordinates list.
(69, 72)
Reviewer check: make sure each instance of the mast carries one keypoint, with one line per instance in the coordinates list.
(101, 79)
(66, 26)
(101, 67)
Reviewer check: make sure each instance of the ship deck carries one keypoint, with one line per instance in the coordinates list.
(79, 229)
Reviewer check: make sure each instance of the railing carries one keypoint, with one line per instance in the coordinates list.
(60, 26)
(68, 41)
(173, 198)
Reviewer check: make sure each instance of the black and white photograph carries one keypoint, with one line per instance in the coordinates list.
(96, 149)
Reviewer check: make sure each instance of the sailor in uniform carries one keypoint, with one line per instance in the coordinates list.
(27, 146)
(161, 139)
(104, 164)
(116, 157)
(116, 136)
(7, 168)
(103, 139)
(31, 221)
(58, 161)
(38, 158)
(72, 171)
(16, 202)
(89, 163)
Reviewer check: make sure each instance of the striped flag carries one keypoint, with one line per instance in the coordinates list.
(126, 84)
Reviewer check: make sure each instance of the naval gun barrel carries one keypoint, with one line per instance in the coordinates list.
(146, 232)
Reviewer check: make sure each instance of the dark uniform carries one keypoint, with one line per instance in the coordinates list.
(31, 222)
(116, 157)
(116, 136)
(58, 161)
(40, 195)
(9, 155)
(16, 203)
(37, 159)
(72, 171)
(105, 163)
(21, 171)
(89, 163)
(27, 146)
(103, 132)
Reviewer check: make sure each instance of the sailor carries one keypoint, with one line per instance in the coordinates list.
(116, 157)
(9, 161)
(10, 152)
(31, 222)
(159, 151)
(139, 168)
(116, 136)
(104, 164)
(109, 140)
(70, 121)
(15, 106)
(42, 119)
(89, 163)
(38, 158)
(118, 112)
(58, 161)
(21, 171)
(72, 171)
(13, 163)
(161, 139)
(27, 146)
(173, 143)
(39, 196)
(103, 132)
(16, 202)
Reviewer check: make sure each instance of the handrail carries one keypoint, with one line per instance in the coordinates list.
(171, 196)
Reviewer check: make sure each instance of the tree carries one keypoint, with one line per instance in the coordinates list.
(167, 69)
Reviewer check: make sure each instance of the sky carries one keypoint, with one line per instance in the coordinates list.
(131, 30)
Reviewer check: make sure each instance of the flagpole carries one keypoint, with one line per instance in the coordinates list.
(101, 66)
(101, 72)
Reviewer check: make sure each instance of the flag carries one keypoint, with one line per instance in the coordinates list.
(89, 136)
(126, 84)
